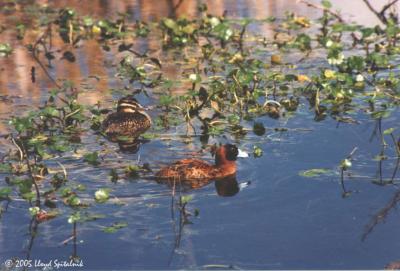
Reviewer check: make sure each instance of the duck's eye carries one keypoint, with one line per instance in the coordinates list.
(232, 152)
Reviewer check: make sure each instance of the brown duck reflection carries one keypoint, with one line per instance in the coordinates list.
(128, 145)
(225, 187)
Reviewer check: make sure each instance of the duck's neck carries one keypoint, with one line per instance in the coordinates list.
(225, 169)
(225, 166)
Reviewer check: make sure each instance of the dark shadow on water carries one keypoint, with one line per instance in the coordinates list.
(131, 145)
(381, 215)
(227, 187)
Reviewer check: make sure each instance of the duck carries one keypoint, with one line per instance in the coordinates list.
(130, 120)
(196, 173)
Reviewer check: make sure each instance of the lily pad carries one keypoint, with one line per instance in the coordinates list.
(102, 195)
(115, 227)
(315, 172)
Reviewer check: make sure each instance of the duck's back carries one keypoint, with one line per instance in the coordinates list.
(187, 170)
(126, 124)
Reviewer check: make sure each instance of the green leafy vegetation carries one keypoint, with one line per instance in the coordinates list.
(115, 227)
(315, 172)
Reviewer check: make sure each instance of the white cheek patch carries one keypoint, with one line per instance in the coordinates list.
(128, 110)
(242, 154)
(133, 106)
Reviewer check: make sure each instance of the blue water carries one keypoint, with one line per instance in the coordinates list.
(278, 219)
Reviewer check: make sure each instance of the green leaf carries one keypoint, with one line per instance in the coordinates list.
(356, 63)
(24, 185)
(115, 227)
(113, 175)
(40, 138)
(257, 151)
(87, 21)
(291, 77)
(315, 172)
(132, 171)
(149, 136)
(5, 192)
(366, 32)
(234, 119)
(91, 217)
(186, 199)
(73, 201)
(389, 131)
(65, 192)
(102, 195)
(92, 158)
(169, 23)
(189, 29)
(303, 42)
(258, 128)
(380, 157)
(61, 145)
(123, 138)
(74, 218)
(345, 164)
(50, 111)
(28, 196)
(326, 4)
(5, 49)
(380, 114)
(81, 187)
(5, 168)
(166, 100)
(34, 210)
(270, 19)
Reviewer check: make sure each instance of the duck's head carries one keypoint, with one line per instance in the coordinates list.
(129, 104)
(227, 153)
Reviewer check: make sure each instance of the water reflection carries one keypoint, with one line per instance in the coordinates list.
(381, 215)
(15, 75)
(33, 233)
(227, 187)
(15, 80)
(151, 10)
(129, 145)
(180, 216)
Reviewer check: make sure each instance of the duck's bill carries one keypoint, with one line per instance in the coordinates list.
(244, 185)
(242, 154)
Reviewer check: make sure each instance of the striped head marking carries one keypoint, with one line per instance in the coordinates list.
(129, 104)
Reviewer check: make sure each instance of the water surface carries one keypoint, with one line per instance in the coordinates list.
(278, 220)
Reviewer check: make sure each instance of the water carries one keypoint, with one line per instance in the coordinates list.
(278, 220)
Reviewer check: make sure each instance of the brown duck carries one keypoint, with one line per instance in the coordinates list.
(195, 172)
(130, 120)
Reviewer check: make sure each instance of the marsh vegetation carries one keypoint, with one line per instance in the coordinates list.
(313, 99)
